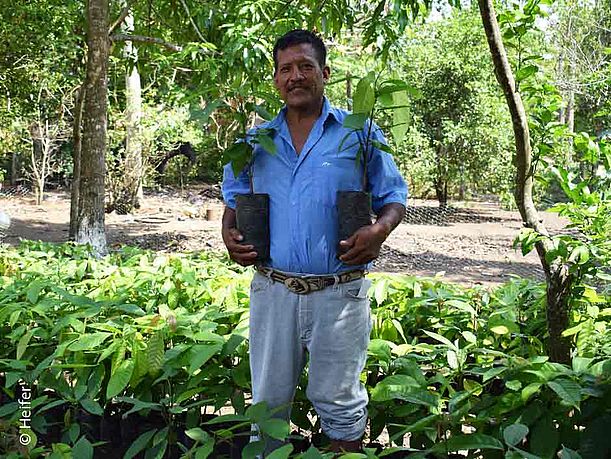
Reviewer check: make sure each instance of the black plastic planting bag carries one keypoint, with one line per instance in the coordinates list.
(354, 212)
(252, 215)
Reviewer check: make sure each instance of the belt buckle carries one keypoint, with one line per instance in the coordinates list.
(297, 285)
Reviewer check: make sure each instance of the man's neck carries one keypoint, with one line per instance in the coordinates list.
(296, 116)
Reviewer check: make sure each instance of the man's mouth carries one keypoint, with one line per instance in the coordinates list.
(295, 88)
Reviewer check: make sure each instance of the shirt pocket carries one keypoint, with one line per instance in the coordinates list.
(334, 173)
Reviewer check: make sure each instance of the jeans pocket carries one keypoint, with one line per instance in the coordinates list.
(357, 289)
(259, 282)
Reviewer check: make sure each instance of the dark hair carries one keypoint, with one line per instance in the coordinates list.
(297, 37)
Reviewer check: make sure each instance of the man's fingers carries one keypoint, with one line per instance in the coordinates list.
(355, 257)
(245, 259)
(348, 243)
(235, 234)
(240, 248)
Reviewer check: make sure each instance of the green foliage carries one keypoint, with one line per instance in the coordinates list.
(460, 140)
(162, 336)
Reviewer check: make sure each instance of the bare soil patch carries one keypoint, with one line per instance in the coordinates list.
(469, 243)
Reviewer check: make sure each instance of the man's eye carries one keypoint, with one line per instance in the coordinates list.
(284, 70)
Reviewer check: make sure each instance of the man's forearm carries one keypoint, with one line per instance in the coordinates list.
(390, 216)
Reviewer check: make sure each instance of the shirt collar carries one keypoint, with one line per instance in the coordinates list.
(327, 111)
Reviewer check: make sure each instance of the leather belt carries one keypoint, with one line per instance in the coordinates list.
(303, 285)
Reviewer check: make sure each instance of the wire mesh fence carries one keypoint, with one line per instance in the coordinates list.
(466, 242)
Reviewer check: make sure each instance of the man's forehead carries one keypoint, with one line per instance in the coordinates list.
(301, 51)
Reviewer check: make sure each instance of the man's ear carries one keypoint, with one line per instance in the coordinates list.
(326, 74)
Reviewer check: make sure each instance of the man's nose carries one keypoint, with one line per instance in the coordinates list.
(297, 74)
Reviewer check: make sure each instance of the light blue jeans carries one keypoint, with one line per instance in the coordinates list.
(332, 326)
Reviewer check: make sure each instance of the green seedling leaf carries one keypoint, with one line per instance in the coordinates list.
(198, 434)
(238, 155)
(515, 433)
(469, 336)
(567, 389)
(312, 453)
(8, 409)
(281, 453)
(201, 353)
(355, 121)
(568, 453)
(253, 449)
(204, 451)
(92, 406)
(275, 428)
(400, 116)
(267, 143)
(120, 378)
(468, 442)
(155, 350)
(82, 449)
(89, 341)
(364, 97)
(402, 387)
(157, 451)
(530, 390)
(441, 339)
(263, 113)
(514, 384)
(227, 418)
(22, 345)
(382, 146)
(33, 291)
(379, 349)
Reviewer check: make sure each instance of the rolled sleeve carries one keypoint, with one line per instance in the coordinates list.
(232, 185)
(385, 181)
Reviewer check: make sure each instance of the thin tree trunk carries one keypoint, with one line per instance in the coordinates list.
(130, 186)
(37, 161)
(90, 216)
(14, 169)
(76, 159)
(557, 276)
(133, 144)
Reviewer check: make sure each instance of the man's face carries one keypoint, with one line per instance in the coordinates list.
(299, 78)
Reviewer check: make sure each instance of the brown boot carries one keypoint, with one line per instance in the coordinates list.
(343, 446)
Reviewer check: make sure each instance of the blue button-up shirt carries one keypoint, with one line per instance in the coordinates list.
(302, 189)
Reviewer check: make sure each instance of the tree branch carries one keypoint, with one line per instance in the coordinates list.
(186, 8)
(122, 16)
(143, 39)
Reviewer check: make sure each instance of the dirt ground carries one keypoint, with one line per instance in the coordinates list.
(469, 243)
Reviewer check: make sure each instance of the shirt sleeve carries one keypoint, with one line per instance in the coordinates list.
(386, 184)
(233, 185)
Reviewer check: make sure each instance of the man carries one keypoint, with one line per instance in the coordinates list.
(330, 324)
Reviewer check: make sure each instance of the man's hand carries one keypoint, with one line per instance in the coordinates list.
(242, 254)
(364, 245)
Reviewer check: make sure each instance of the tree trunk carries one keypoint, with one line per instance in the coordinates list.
(90, 216)
(76, 160)
(130, 193)
(556, 273)
(37, 161)
(441, 181)
(14, 169)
